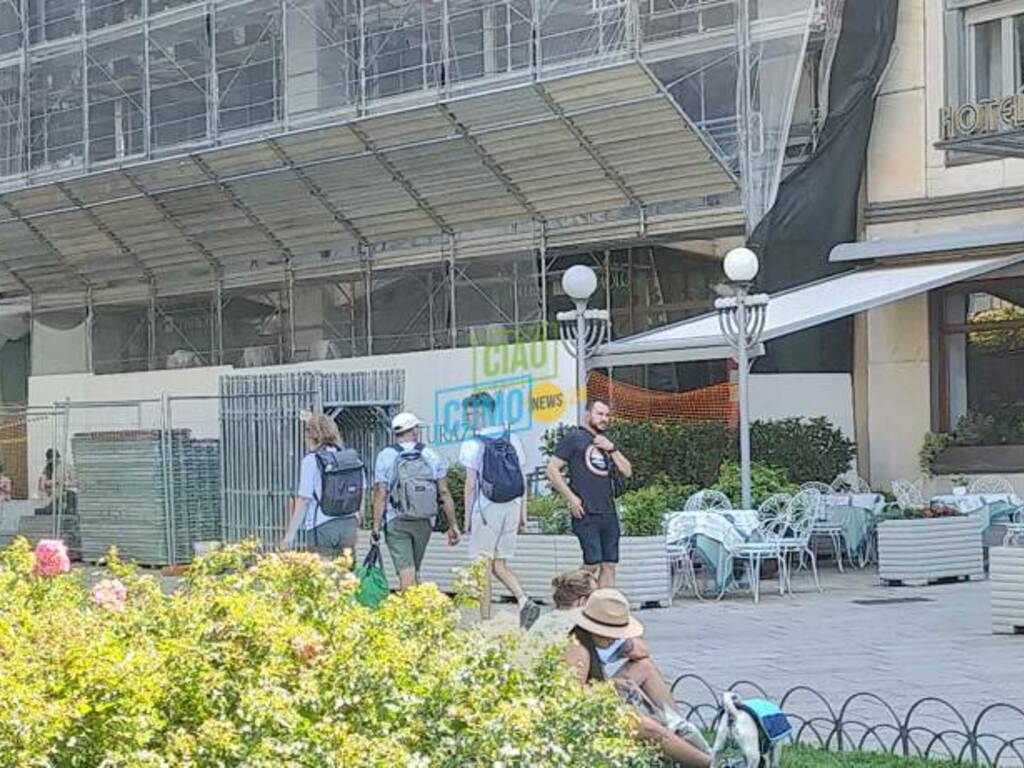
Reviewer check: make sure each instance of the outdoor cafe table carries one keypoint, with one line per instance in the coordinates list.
(855, 512)
(986, 507)
(715, 535)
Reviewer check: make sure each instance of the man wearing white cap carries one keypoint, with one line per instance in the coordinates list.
(409, 478)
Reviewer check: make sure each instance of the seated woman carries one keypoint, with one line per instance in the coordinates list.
(6, 486)
(605, 631)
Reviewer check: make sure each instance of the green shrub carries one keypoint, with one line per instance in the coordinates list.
(807, 449)
(642, 511)
(691, 454)
(1001, 426)
(551, 512)
(457, 485)
(764, 481)
(266, 660)
(934, 444)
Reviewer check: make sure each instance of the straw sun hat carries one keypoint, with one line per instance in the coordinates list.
(606, 613)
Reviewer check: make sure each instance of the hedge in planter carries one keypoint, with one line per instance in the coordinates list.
(691, 454)
(263, 661)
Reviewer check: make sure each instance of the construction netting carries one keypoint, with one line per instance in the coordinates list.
(717, 402)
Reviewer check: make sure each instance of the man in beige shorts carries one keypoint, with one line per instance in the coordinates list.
(493, 526)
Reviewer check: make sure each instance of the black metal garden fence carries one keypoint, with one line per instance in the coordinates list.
(931, 727)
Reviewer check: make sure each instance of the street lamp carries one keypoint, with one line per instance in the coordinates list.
(582, 330)
(742, 318)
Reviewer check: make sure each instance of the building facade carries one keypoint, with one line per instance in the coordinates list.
(952, 356)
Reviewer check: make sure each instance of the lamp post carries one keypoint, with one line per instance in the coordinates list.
(582, 330)
(741, 317)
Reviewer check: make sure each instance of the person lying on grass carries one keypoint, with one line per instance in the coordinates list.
(604, 631)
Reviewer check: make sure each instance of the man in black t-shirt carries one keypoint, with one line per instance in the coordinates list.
(592, 460)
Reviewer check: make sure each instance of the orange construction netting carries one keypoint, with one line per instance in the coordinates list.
(717, 402)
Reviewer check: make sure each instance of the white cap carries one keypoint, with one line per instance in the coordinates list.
(403, 422)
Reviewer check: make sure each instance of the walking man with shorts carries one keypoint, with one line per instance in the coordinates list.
(409, 478)
(494, 462)
(594, 464)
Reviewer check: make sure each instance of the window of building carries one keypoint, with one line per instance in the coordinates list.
(995, 49)
(981, 356)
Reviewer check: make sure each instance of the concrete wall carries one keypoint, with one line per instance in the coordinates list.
(781, 396)
(899, 386)
(431, 379)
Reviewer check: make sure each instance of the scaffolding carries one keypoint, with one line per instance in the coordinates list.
(218, 182)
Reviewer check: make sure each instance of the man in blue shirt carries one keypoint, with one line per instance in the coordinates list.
(407, 538)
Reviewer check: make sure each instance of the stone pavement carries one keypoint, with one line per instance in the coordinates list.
(900, 651)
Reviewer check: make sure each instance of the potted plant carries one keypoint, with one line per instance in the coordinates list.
(922, 546)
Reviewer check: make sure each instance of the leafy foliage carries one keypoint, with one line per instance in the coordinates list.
(551, 512)
(807, 449)
(765, 480)
(998, 340)
(934, 444)
(266, 660)
(643, 510)
(691, 454)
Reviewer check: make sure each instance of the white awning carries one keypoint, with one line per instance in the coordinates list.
(798, 309)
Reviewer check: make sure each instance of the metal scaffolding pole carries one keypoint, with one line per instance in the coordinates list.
(743, 103)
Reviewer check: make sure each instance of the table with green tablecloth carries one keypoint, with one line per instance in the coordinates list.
(856, 513)
(714, 535)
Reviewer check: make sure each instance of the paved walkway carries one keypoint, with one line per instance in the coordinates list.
(902, 651)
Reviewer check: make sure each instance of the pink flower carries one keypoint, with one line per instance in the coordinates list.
(110, 594)
(51, 558)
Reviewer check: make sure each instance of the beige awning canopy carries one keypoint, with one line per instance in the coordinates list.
(600, 155)
(801, 308)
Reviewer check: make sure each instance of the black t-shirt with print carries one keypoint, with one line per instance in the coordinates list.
(588, 471)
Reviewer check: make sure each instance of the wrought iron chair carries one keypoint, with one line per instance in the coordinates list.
(851, 482)
(680, 556)
(987, 484)
(823, 488)
(774, 507)
(908, 495)
(804, 509)
(766, 543)
(707, 501)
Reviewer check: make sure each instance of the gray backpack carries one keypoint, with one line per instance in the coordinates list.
(413, 488)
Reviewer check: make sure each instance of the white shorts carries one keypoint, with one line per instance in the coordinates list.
(495, 531)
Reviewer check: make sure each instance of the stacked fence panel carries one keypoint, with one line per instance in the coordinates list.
(151, 494)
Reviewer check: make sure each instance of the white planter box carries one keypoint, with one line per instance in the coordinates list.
(1006, 573)
(643, 574)
(917, 552)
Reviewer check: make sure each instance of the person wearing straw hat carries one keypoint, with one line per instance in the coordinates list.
(604, 632)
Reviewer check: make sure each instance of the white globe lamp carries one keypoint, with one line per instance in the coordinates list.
(741, 265)
(579, 282)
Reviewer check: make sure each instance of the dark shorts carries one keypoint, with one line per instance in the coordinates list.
(599, 537)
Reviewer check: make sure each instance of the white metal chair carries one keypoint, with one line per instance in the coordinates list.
(851, 482)
(908, 495)
(823, 488)
(708, 501)
(774, 507)
(834, 532)
(766, 543)
(987, 484)
(680, 556)
(803, 510)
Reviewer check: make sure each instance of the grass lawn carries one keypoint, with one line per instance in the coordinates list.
(799, 756)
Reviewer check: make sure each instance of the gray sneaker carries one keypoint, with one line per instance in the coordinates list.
(528, 614)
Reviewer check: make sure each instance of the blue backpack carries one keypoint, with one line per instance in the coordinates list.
(771, 721)
(501, 477)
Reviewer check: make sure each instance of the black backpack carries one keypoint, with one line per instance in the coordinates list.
(501, 477)
(342, 476)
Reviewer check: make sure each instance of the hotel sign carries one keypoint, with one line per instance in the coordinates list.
(979, 118)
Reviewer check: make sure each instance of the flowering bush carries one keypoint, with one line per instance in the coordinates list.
(266, 660)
